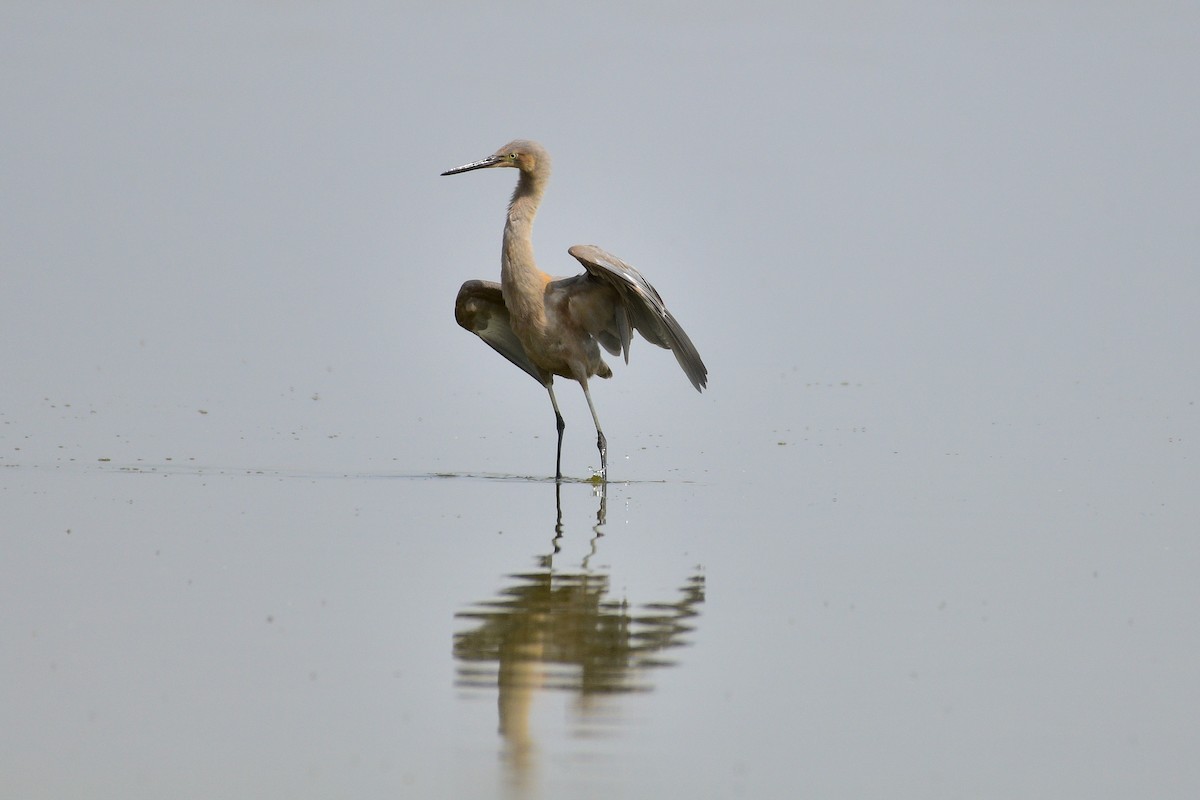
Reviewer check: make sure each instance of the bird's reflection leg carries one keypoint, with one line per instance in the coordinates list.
(558, 423)
(558, 523)
(601, 518)
(602, 511)
(601, 442)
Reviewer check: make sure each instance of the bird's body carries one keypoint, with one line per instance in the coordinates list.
(548, 326)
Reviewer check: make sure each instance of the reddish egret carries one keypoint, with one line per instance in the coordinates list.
(556, 326)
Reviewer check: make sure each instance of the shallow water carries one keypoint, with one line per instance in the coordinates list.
(309, 634)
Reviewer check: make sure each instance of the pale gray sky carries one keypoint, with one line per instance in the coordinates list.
(225, 206)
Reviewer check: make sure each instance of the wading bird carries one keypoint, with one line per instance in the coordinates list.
(556, 326)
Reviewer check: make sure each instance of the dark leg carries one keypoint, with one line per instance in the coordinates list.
(558, 422)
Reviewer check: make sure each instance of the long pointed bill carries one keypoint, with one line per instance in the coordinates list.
(490, 161)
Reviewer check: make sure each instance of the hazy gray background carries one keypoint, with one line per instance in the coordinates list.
(940, 260)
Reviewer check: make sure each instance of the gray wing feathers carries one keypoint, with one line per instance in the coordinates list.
(480, 309)
(641, 308)
(618, 335)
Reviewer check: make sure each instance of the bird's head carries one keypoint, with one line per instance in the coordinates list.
(529, 157)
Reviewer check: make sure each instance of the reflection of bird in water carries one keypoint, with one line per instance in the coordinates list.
(597, 644)
(561, 630)
(553, 628)
(550, 326)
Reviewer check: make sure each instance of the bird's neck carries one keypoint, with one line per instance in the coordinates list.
(521, 281)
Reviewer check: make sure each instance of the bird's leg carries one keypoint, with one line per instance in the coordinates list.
(558, 422)
(601, 442)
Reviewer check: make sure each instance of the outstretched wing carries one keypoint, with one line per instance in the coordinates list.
(480, 309)
(640, 309)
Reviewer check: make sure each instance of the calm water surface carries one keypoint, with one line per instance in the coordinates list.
(204, 631)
